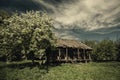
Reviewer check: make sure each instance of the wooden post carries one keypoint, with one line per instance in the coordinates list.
(84, 55)
(78, 54)
(89, 57)
(59, 57)
(66, 55)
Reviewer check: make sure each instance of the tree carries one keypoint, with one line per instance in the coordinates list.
(31, 31)
(106, 50)
(103, 50)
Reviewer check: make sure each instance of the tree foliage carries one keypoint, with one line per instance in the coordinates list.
(27, 33)
(103, 50)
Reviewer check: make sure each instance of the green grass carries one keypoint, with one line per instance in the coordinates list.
(79, 71)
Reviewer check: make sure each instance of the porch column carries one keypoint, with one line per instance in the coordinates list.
(59, 57)
(66, 54)
(84, 56)
(89, 56)
(78, 54)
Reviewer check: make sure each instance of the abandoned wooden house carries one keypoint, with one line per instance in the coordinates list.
(70, 51)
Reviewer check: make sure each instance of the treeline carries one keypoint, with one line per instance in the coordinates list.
(105, 50)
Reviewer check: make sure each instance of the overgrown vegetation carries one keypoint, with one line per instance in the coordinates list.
(105, 49)
(81, 71)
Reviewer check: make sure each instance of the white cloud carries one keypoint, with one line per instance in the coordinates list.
(88, 14)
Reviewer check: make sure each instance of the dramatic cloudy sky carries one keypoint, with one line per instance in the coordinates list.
(89, 14)
(82, 19)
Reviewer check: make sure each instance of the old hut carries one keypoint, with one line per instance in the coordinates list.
(70, 51)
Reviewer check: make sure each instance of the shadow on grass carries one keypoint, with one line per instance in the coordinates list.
(30, 65)
(22, 69)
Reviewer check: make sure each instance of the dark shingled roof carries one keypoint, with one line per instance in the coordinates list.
(72, 44)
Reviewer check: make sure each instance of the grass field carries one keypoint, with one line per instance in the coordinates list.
(79, 71)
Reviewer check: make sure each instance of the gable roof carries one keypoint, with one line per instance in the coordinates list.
(72, 44)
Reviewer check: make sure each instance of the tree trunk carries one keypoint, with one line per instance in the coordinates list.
(33, 61)
(26, 55)
(7, 60)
